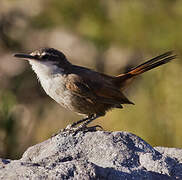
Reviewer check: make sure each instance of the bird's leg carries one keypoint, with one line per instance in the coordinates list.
(83, 127)
(89, 120)
(82, 120)
(73, 126)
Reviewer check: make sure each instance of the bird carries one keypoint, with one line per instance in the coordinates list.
(83, 90)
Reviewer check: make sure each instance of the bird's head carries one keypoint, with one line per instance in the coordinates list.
(45, 56)
(46, 61)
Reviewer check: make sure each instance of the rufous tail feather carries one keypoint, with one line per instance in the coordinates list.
(123, 79)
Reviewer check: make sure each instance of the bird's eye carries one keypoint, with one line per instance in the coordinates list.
(36, 56)
(45, 56)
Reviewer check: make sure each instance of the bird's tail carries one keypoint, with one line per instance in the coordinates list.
(123, 79)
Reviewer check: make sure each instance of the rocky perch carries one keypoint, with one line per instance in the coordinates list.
(95, 155)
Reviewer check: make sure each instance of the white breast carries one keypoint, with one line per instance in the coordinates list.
(53, 82)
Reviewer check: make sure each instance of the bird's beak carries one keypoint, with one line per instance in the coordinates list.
(25, 56)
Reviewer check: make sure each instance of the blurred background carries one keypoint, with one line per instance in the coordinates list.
(108, 36)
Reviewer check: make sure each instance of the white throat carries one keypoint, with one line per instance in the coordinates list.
(52, 80)
(45, 70)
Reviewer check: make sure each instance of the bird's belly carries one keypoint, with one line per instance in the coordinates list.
(56, 89)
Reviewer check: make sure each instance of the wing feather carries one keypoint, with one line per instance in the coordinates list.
(95, 91)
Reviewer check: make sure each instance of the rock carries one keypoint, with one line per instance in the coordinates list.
(95, 155)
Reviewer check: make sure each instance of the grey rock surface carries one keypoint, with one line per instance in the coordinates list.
(95, 155)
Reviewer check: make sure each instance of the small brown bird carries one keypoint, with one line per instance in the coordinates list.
(83, 90)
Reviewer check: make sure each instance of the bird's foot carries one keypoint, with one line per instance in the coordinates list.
(87, 129)
(83, 128)
(69, 129)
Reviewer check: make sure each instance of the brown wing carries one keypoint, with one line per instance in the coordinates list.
(98, 89)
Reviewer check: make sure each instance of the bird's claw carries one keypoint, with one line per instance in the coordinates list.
(85, 128)
(75, 130)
